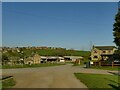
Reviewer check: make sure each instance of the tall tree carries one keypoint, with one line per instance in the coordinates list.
(116, 33)
(116, 30)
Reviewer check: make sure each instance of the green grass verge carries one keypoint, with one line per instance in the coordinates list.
(115, 68)
(93, 81)
(8, 83)
(31, 66)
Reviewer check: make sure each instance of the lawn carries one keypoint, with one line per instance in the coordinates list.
(32, 66)
(7, 83)
(93, 81)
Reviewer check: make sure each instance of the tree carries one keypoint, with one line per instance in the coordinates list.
(116, 33)
(116, 30)
(4, 59)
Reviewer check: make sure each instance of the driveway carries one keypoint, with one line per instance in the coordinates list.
(50, 77)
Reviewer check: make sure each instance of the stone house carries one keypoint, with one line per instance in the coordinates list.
(28, 60)
(35, 59)
(102, 52)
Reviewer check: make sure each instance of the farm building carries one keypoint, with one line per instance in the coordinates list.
(35, 59)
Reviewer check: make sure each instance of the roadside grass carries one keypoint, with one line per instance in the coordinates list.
(115, 68)
(0, 84)
(69, 63)
(31, 66)
(101, 68)
(96, 81)
(8, 83)
(76, 64)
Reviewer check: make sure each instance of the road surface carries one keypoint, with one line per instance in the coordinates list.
(50, 77)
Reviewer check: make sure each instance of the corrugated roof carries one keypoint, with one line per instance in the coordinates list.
(105, 47)
(73, 57)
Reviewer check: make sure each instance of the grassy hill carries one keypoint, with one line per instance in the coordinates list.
(62, 52)
(47, 52)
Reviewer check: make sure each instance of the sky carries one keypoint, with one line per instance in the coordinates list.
(0, 24)
(60, 0)
(77, 25)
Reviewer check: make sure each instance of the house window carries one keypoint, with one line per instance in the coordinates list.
(95, 56)
(103, 51)
(95, 51)
(109, 51)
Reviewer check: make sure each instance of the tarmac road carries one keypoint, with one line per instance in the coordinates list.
(49, 77)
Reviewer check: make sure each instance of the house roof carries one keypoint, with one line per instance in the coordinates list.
(73, 57)
(105, 47)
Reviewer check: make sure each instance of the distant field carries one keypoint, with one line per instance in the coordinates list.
(61, 52)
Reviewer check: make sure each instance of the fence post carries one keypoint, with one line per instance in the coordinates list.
(99, 63)
(95, 63)
(112, 64)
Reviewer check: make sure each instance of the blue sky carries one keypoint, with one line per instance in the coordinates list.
(60, 0)
(68, 25)
(0, 25)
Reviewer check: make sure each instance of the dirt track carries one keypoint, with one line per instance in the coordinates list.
(50, 77)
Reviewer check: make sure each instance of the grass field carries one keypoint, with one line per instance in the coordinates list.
(93, 81)
(32, 66)
(57, 52)
(7, 83)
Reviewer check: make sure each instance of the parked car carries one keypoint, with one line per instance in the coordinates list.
(116, 61)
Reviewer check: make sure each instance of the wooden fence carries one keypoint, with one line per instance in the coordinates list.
(102, 63)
